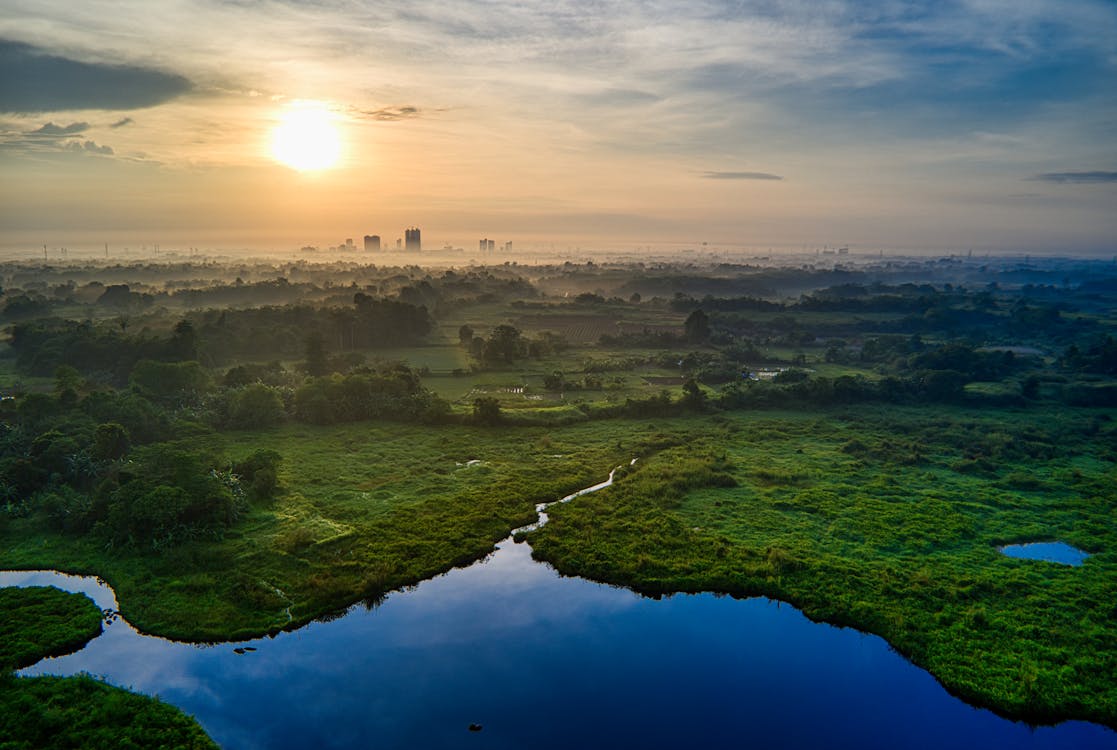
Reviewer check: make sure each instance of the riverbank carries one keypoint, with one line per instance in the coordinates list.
(877, 520)
(490, 643)
(886, 520)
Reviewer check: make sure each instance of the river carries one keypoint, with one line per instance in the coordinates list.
(544, 661)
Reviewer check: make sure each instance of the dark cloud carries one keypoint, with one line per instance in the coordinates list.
(1076, 178)
(122, 123)
(32, 80)
(89, 147)
(50, 130)
(389, 114)
(740, 176)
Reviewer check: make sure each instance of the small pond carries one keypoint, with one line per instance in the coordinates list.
(1056, 552)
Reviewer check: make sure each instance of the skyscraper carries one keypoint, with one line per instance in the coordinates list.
(411, 239)
(372, 242)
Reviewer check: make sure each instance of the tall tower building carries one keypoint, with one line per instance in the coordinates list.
(411, 239)
(372, 242)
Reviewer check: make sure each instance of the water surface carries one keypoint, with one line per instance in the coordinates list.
(544, 661)
(1057, 552)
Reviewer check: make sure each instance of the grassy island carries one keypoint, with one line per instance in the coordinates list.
(42, 621)
(43, 713)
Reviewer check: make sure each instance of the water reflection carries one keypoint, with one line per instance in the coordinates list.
(1057, 552)
(544, 661)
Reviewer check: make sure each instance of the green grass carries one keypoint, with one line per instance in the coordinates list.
(41, 713)
(42, 621)
(885, 519)
(365, 509)
(888, 521)
(44, 713)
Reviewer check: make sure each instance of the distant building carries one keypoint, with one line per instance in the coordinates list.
(349, 243)
(411, 239)
(482, 245)
(372, 242)
(399, 243)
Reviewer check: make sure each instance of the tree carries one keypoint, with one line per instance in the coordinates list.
(316, 360)
(693, 395)
(183, 345)
(486, 411)
(66, 378)
(256, 405)
(503, 346)
(697, 327)
(556, 381)
(170, 382)
(465, 335)
(110, 441)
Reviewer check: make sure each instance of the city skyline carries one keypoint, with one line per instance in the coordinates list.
(986, 125)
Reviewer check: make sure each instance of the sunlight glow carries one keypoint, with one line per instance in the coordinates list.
(306, 139)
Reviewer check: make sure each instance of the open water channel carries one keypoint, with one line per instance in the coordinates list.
(543, 661)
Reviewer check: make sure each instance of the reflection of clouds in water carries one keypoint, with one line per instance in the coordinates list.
(508, 592)
(497, 640)
(99, 592)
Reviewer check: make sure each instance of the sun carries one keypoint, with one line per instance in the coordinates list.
(305, 138)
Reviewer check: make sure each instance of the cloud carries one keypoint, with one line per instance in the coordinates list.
(740, 176)
(31, 80)
(50, 130)
(89, 147)
(391, 114)
(1076, 178)
(122, 123)
(51, 139)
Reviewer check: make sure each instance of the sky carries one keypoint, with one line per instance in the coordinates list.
(943, 126)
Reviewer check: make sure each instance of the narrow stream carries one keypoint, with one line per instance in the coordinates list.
(544, 661)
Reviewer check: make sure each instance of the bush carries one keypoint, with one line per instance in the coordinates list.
(486, 411)
(260, 472)
(256, 405)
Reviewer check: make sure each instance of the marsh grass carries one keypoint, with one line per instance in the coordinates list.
(362, 509)
(42, 713)
(40, 621)
(71, 712)
(828, 513)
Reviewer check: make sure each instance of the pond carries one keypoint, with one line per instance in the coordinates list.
(543, 661)
(1057, 552)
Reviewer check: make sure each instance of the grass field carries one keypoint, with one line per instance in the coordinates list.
(886, 519)
(889, 521)
(364, 509)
